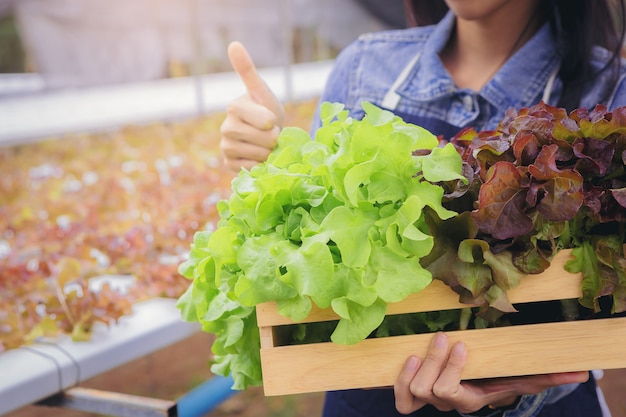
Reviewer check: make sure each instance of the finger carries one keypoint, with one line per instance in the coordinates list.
(498, 388)
(242, 150)
(234, 131)
(537, 383)
(449, 390)
(244, 66)
(434, 361)
(251, 113)
(406, 402)
(448, 386)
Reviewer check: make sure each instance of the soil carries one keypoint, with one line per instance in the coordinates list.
(173, 371)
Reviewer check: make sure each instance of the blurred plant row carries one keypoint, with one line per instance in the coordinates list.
(83, 213)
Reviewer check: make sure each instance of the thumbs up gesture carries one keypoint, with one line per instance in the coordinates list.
(253, 121)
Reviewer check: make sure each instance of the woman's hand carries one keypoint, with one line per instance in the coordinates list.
(253, 121)
(436, 380)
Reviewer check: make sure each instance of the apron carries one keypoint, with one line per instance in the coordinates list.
(582, 402)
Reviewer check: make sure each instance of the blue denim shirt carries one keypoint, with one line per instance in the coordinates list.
(367, 69)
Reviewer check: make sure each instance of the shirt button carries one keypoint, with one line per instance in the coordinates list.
(468, 103)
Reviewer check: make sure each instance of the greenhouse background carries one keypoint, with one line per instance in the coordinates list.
(72, 43)
(109, 125)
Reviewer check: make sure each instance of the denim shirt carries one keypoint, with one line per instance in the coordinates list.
(368, 68)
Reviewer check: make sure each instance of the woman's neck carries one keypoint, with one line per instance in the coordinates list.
(479, 47)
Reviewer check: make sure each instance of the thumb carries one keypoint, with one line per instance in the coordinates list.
(257, 88)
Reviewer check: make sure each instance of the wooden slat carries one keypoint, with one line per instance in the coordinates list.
(553, 283)
(495, 352)
(267, 337)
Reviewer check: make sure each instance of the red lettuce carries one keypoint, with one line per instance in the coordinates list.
(543, 181)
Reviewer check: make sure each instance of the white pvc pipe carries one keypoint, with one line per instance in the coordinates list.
(31, 373)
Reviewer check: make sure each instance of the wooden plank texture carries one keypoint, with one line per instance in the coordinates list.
(496, 352)
(553, 283)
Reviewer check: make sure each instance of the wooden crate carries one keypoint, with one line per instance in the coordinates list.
(494, 352)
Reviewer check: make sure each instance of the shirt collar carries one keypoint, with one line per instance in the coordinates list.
(434, 80)
(517, 84)
(525, 75)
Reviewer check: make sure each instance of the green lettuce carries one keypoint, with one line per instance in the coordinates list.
(339, 221)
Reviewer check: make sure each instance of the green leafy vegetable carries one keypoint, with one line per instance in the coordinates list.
(372, 210)
(548, 181)
(338, 221)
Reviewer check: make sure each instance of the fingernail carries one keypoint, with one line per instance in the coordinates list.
(412, 363)
(441, 340)
(458, 349)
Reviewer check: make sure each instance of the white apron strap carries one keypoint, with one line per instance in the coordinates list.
(547, 91)
(391, 99)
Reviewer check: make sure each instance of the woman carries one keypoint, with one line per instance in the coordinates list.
(481, 58)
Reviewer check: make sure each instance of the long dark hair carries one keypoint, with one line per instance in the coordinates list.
(577, 24)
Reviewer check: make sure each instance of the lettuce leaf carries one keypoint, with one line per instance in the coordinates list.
(338, 222)
(372, 210)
